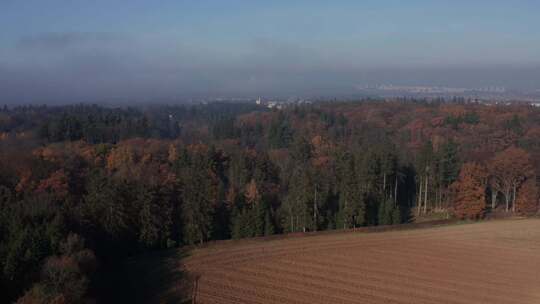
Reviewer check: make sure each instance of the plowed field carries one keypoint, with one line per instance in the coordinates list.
(490, 262)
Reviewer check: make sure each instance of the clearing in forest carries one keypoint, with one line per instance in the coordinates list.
(488, 262)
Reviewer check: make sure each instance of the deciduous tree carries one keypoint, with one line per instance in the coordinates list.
(527, 197)
(509, 168)
(469, 191)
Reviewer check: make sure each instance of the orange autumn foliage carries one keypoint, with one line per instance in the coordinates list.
(527, 197)
(252, 193)
(469, 191)
(56, 184)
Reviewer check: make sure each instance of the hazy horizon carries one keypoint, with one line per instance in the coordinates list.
(72, 51)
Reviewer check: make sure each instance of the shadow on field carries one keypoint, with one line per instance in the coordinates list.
(149, 278)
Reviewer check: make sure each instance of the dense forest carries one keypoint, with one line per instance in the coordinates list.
(84, 186)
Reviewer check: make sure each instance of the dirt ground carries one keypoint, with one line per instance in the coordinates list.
(490, 262)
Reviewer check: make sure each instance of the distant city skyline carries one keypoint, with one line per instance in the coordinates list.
(76, 51)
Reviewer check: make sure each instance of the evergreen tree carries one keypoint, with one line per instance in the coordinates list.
(514, 125)
(251, 220)
(384, 216)
(198, 197)
(280, 133)
(389, 213)
(449, 162)
(297, 206)
(301, 151)
(268, 224)
(105, 210)
(155, 218)
(388, 167)
(351, 204)
(396, 215)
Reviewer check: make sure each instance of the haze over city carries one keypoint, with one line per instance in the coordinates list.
(88, 51)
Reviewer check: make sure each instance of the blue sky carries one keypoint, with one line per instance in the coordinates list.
(167, 49)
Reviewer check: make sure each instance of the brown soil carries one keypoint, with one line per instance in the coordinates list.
(490, 262)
